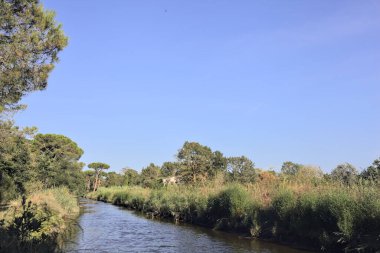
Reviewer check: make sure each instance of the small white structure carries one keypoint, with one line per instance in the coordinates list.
(170, 180)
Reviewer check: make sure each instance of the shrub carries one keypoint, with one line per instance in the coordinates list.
(228, 209)
(39, 222)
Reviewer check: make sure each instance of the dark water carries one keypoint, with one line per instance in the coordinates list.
(108, 228)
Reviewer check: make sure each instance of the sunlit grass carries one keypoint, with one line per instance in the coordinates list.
(323, 214)
(38, 223)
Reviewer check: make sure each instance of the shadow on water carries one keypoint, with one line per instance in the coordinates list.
(108, 228)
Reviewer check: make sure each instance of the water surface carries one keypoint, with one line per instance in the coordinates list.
(108, 228)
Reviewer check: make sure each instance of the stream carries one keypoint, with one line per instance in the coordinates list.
(108, 228)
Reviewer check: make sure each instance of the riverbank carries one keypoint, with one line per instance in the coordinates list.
(110, 228)
(38, 223)
(325, 217)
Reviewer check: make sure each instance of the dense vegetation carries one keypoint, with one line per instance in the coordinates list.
(300, 205)
(40, 174)
(29, 163)
(39, 223)
(30, 41)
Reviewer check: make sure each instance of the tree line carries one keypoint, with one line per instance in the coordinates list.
(40, 172)
(31, 162)
(197, 164)
(30, 41)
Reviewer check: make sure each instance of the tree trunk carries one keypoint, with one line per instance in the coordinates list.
(96, 180)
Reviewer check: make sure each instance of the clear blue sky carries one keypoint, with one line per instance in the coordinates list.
(271, 80)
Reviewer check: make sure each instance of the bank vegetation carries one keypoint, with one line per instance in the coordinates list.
(300, 205)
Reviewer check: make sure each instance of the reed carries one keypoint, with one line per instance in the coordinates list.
(324, 216)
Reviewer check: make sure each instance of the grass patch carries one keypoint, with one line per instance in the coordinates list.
(39, 222)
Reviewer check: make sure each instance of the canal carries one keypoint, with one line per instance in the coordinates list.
(108, 228)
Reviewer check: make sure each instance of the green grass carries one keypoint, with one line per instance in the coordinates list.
(324, 216)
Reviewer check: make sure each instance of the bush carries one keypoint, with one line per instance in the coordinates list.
(229, 208)
(37, 223)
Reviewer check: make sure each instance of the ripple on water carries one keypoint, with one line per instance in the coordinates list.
(107, 228)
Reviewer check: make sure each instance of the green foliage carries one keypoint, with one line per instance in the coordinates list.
(38, 223)
(57, 162)
(330, 217)
(283, 204)
(15, 161)
(196, 160)
(372, 173)
(113, 179)
(30, 41)
(228, 209)
(219, 163)
(134, 197)
(241, 169)
(8, 188)
(57, 147)
(290, 168)
(367, 220)
(331, 220)
(306, 206)
(98, 167)
(337, 213)
(150, 176)
(169, 169)
(49, 159)
(131, 177)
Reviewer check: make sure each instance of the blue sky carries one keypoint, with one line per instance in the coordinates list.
(271, 80)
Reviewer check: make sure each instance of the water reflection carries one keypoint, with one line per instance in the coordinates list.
(107, 228)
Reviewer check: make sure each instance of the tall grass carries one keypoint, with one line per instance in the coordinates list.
(38, 223)
(322, 215)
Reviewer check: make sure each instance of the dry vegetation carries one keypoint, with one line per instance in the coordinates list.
(38, 223)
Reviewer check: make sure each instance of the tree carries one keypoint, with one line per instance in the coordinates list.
(219, 163)
(196, 160)
(89, 176)
(150, 176)
(57, 162)
(241, 169)
(98, 167)
(169, 169)
(372, 172)
(57, 147)
(15, 162)
(290, 168)
(309, 173)
(113, 179)
(345, 173)
(27, 161)
(131, 176)
(30, 41)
